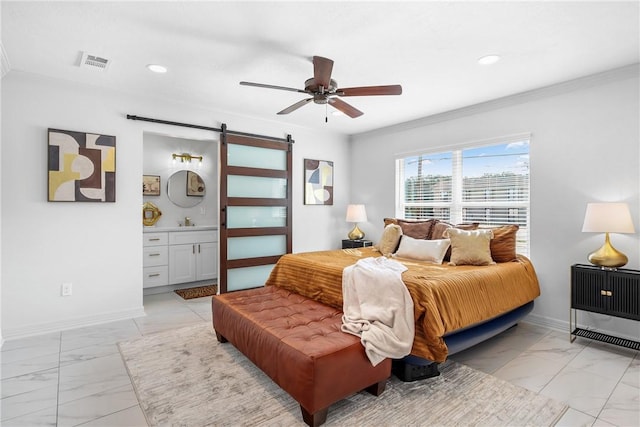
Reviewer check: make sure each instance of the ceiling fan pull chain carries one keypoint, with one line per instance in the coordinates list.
(326, 114)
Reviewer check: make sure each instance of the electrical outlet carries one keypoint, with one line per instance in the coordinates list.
(67, 289)
(202, 211)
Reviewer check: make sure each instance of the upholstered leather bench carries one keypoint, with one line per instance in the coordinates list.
(298, 343)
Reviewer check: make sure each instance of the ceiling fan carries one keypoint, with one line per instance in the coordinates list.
(324, 90)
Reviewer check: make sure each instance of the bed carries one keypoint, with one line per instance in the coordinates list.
(454, 306)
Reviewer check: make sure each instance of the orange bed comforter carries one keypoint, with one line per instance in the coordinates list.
(446, 298)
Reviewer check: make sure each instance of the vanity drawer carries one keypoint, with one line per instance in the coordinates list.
(155, 276)
(186, 237)
(155, 239)
(155, 255)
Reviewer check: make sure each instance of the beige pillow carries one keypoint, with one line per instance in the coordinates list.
(442, 226)
(470, 247)
(423, 250)
(389, 239)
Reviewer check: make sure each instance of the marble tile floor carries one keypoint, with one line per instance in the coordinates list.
(77, 378)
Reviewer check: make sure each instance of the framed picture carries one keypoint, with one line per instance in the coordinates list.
(150, 185)
(81, 167)
(318, 182)
(195, 185)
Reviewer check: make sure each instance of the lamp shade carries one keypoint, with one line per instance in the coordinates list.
(607, 218)
(356, 213)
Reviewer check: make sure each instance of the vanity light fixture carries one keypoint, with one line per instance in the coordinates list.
(185, 157)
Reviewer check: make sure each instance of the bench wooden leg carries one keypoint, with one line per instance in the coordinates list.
(220, 338)
(315, 419)
(377, 388)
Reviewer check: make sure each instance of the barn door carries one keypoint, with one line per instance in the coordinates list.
(255, 209)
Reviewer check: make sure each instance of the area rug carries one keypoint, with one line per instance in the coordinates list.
(185, 377)
(197, 292)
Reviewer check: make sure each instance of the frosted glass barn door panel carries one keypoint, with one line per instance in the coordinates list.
(255, 203)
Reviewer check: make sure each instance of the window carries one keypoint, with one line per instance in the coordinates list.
(486, 184)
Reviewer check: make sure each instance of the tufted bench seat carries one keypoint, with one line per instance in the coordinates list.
(298, 343)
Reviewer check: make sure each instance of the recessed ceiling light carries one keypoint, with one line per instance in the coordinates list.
(157, 68)
(489, 59)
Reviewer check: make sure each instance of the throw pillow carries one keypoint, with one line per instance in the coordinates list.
(503, 244)
(441, 226)
(416, 228)
(470, 247)
(423, 250)
(389, 239)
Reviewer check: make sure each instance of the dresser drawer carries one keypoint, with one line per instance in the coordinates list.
(155, 276)
(155, 239)
(155, 255)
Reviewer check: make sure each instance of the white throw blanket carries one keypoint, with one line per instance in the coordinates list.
(378, 308)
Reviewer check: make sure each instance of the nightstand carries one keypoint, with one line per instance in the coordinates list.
(612, 292)
(346, 243)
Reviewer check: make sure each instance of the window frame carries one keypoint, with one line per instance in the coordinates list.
(457, 205)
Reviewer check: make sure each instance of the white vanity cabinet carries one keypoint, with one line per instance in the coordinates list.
(192, 256)
(156, 259)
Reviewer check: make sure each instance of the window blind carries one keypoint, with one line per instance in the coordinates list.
(487, 184)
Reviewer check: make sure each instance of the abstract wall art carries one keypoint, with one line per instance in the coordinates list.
(318, 182)
(82, 167)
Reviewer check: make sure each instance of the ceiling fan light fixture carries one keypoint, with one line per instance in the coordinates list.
(489, 59)
(157, 68)
(324, 90)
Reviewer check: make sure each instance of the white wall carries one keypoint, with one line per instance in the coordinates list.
(157, 160)
(584, 147)
(98, 246)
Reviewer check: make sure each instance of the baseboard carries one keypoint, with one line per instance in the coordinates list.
(546, 322)
(563, 326)
(78, 322)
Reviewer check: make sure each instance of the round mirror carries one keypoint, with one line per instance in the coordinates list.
(185, 188)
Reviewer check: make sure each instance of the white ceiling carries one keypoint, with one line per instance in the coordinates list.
(430, 48)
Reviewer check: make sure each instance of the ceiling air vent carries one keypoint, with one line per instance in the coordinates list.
(94, 62)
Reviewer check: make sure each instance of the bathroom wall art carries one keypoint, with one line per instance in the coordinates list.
(150, 185)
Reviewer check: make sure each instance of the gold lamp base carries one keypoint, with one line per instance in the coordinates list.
(356, 233)
(608, 256)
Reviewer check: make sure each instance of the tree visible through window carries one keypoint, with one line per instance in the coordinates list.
(487, 184)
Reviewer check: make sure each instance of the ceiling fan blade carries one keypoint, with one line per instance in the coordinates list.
(295, 106)
(272, 87)
(349, 110)
(322, 68)
(370, 90)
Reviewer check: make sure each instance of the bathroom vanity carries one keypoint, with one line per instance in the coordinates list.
(176, 255)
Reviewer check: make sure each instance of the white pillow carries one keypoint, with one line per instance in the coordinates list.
(423, 250)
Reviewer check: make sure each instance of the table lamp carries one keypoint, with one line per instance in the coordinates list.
(356, 214)
(607, 218)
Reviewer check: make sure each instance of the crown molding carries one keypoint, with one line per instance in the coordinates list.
(622, 73)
